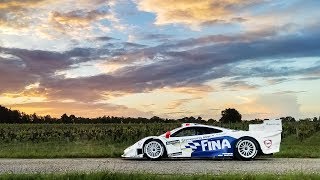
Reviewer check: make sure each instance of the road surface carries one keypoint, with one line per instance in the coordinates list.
(269, 165)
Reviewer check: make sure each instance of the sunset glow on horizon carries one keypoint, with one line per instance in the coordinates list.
(166, 58)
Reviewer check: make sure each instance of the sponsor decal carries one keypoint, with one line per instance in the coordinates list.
(175, 154)
(207, 145)
(191, 139)
(215, 145)
(227, 154)
(268, 143)
(219, 146)
(273, 124)
(172, 142)
(202, 137)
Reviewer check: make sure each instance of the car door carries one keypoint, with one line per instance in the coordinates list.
(185, 137)
(173, 147)
(213, 143)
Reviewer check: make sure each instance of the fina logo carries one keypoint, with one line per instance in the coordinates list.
(214, 145)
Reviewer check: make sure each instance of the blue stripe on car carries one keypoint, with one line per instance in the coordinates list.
(213, 147)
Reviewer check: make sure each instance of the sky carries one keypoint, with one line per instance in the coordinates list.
(167, 58)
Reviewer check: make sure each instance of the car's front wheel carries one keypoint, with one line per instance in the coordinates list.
(246, 149)
(154, 149)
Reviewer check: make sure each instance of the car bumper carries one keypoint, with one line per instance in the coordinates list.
(132, 152)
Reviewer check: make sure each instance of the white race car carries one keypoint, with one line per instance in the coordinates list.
(193, 140)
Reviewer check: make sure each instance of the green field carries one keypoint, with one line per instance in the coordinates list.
(136, 176)
(109, 140)
(58, 149)
(309, 148)
(291, 147)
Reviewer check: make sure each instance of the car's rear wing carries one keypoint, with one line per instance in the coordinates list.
(268, 125)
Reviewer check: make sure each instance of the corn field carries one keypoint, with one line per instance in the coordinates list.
(122, 133)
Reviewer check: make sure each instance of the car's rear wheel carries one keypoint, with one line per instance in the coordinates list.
(246, 149)
(154, 149)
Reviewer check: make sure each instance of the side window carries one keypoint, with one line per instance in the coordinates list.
(206, 130)
(193, 131)
(185, 132)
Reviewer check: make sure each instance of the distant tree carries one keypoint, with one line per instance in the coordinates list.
(211, 121)
(315, 119)
(154, 119)
(255, 121)
(72, 118)
(230, 115)
(305, 120)
(35, 118)
(15, 116)
(65, 118)
(191, 119)
(25, 118)
(47, 118)
(288, 119)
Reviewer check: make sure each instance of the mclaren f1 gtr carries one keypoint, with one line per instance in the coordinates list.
(193, 140)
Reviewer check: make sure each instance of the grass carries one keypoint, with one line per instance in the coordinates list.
(55, 149)
(291, 147)
(138, 176)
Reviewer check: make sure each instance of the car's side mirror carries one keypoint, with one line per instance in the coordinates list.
(168, 134)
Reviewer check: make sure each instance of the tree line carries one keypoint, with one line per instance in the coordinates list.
(229, 115)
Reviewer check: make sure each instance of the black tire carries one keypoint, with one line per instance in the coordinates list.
(154, 149)
(246, 149)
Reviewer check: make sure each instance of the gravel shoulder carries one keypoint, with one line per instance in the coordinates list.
(269, 165)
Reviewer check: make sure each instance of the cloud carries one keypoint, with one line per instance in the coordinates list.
(50, 68)
(269, 106)
(13, 19)
(15, 14)
(264, 35)
(151, 37)
(78, 17)
(289, 92)
(48, 19)
(192, 12)
(195, 91)
(19, 80)
(276, 72)
(238, 85)
(133, 45)
(30, 66)
(104, 38)
(180, 102)
(242, 37)
(65, 22)
(161, 67)
(16, 4)
(47, 62)
(57, 108)
(310, 78)
(210, 58)
(175, 64)
(272, 81)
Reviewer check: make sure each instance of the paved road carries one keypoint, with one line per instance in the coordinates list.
(272, 165)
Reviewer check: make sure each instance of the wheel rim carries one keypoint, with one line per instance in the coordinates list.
(247, 148)
(153, 149)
